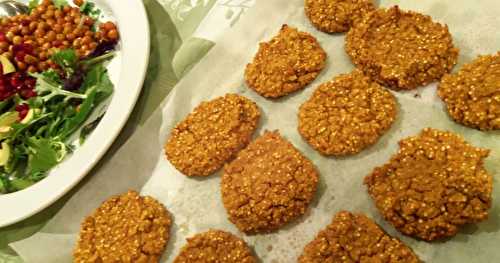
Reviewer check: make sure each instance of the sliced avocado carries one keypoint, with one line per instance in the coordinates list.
(28, 117)
(4, 154)
(6, 121)
(7, 66)
(8, 118)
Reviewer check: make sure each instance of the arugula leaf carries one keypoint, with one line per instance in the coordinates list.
(87, 129)
(3, 186)
(60, 3)
(42, 156)
(35, 102)
(99, 59)
(91, 10)
(32, 4)
(72, 124)
(67, 59)
(21, 183)
(98, 76)
(52, 75)
(48, 89)
(97, 87)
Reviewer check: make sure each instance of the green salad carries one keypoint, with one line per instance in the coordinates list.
(43, 104)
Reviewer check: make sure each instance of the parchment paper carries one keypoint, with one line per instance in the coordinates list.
(196, 204)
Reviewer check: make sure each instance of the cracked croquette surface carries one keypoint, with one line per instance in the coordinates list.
(356, 238)
(286, 63)
(433, 185)
(346, 115)
(401, 49)
(215, 246)
(335, 16)
(212, 134)
(269, 184)
(125, 228)
(472, 96)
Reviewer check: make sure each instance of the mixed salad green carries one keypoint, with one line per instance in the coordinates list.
(34, 145)
(37, 133)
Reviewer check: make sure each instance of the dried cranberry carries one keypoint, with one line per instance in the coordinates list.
(3, 37)
(22, 109)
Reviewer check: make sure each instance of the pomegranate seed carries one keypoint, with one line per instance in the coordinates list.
(27, 93)
(16, 83)
(22, 109)
(30, 82)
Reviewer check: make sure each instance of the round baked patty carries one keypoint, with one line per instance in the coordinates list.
(472, 96)
(212, 134)
(346, 115)
(335, 16)
(285, 64)
(125, 228)
(215, 246)
(269, 184)
(433, 185)
(356, 238)
(401, 49)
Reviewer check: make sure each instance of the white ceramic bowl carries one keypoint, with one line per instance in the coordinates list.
(127, 72)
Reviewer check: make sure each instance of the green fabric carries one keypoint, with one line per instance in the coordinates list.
(187, 14)
(7, 255)
(190, 52)
(170, 59)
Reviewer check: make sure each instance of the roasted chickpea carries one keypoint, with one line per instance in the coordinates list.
(88, 21)
(51, 36)
(32, 69)
(108, 26)
(21, 65)
(4, 46)
(51, 22)
(112, 34)
(43, 55)
(41, 9)
(29, 59)
(25, 30)
(70, 36)
(17, 40)
(58, 13)
(58, 28)
(33, 26)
